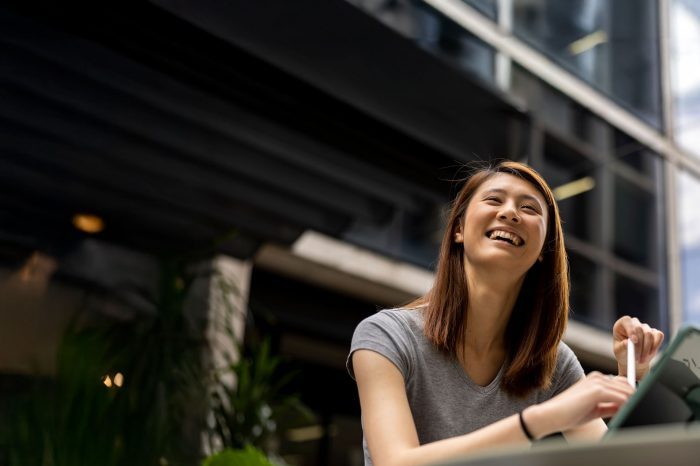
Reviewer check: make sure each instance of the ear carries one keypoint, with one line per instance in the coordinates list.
(458, 237)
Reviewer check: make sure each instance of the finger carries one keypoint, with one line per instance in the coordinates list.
(646, 344)
(616, 395)
(658, 339)
(627, 327)
(610, 389)
(620, 383)
(606, 410)
(637, 332)
(622, 328)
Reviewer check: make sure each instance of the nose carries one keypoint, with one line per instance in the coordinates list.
(509, 213)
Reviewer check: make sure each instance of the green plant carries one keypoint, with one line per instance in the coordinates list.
(157, 414)
(248, 456)
(251, 394)
(248, 412)
(75, 419)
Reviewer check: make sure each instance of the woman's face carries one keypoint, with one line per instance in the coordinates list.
(505, 224)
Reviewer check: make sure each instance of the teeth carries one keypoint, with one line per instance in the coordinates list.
(505, 235)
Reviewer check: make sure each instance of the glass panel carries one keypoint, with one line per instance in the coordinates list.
(438, 34)
(635, 224)
(560, 114)
(689, 194)
(639, 300)
(488, 8)
(685, 72)
(635, 155)
(584, 293)
(572, 178)
(409, 236)
(612, 45)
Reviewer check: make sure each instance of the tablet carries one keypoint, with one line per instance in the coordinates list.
(670, 393)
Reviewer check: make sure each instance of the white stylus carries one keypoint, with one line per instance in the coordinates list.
(631, 369)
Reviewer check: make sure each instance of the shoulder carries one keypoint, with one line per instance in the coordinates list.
(396, 325)
(568, 370)
(567, 360)
(565, 354)
(393, 333)
(398, 318)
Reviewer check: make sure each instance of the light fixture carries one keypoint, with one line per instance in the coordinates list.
(107, 381)
(587, 42)
(574, 188)
(118, 379)
(88, 223)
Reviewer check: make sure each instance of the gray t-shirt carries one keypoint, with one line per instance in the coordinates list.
(444, 401)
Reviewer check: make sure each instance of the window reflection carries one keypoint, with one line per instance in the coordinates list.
(637, 299)
(635, 155)
(635, 223)
(685, 72)
(488, 8)
(437, 34)
(612, 45)
(584, 296)
(562, 167)
(689, 193)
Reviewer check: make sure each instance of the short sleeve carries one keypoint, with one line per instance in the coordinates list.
(387, 334)
(569, 370)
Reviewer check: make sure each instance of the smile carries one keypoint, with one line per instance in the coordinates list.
(500, 235)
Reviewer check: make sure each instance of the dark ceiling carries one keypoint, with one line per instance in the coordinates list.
(227, 123)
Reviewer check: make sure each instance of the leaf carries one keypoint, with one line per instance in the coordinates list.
(249, 456)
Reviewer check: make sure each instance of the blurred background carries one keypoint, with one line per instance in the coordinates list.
(200, 200)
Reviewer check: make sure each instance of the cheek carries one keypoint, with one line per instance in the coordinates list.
(542, 233)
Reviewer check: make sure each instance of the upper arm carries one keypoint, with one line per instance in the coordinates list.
(388, 423)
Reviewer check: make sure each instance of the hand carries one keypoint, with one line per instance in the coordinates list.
(647, 342)
(593, 397)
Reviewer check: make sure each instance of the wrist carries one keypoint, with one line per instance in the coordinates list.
(641, 371)
(621, 370)
(537, 421)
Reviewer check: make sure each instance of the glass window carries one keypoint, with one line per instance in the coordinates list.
(689, 193)
(488, 8)
(573, 178)
(612, 45)
(437, 34)
(637, 299)
(685, 72)
(635, 155)
(635, 220)
(408, 236)
(584, 296)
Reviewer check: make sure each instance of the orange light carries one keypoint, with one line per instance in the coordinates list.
(107, 381)
(118, 379)
(88, 223)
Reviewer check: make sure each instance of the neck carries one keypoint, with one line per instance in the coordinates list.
(491, 300)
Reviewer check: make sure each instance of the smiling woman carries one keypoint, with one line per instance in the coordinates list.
(479, 360)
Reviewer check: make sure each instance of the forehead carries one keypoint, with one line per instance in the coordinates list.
(513, 186)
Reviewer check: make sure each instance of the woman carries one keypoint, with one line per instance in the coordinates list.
(479, 362)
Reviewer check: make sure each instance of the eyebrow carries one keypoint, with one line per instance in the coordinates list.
(522, 196)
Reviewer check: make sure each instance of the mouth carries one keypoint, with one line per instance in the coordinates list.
(505, 236)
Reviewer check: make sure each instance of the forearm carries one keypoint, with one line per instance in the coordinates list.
(504, 432)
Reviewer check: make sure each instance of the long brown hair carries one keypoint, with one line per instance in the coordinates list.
(540, 314)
